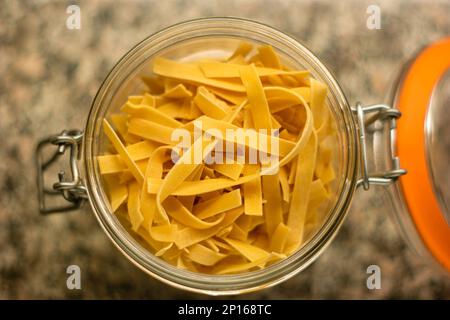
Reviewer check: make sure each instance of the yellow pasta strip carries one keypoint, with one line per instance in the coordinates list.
(292, 172)
(230, 96)
(318, 96)
(147, 100)
(141, 150)
(189, 188)
(150, 130)
(131, 138)
(134, 211)
(209, 105)
(230, 170)
(189, 236)
(113, 163)
(188, 201)
(156, 245)
(307, 130)
(279, 237)
(191, 73)
(148, 201)
(154, 84)
(327, 175)
(229, 70)
(208, 123)
(212, 245)
(280, 103)
(284, 184)
(248, 120)
(243, 49)
(176, 109)
(194, 111)
(238, 60)
(245, 222)
(238, 267)
(224, 232)
(250, 252)
(273, 212)
(324, 130)
(150, 114)
(252, 193)
(275, 123)
(176, 210)
(301, 192)
(304, 92)
(142, 165)
(125, 177)
(256, 221)
(177, 92)
(260, 240)
(232, 114)
(275, 80)
(204, 256)
(118, 193)
(120, 123)
(136, 99)
(120, 148)
(230, 217)
(110, 163)
(221, 245)
(290, 80)
(163, 250)
(272, 94)
(237, 233)
(225, 202)
(256, 97)
(268, 57)
(208, 172)
(299, 95)
(287, 135)
(182, 169)
(164, 233)
(318, 194)
(172, 254)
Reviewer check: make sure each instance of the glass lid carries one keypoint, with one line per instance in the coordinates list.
(423, 145)
(437, 132)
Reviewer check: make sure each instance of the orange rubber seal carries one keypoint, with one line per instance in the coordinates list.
(413, 101)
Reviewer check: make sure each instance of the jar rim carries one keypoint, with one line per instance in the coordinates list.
(156, 267)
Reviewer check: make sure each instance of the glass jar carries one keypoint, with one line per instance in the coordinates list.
(365, 144)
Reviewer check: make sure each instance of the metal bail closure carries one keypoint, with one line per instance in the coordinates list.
(72, 190)
(365, 116)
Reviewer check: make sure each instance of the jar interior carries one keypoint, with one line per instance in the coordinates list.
(125, 80)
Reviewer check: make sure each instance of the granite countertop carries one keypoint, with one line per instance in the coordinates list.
(50, 74)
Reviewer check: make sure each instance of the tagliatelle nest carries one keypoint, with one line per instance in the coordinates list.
(235, 215)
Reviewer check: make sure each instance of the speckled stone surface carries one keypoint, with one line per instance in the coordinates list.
(49, 76)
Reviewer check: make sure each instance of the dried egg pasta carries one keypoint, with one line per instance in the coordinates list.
(232, 216)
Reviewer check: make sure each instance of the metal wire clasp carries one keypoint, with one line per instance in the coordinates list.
(72, 190)
(377, 112)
